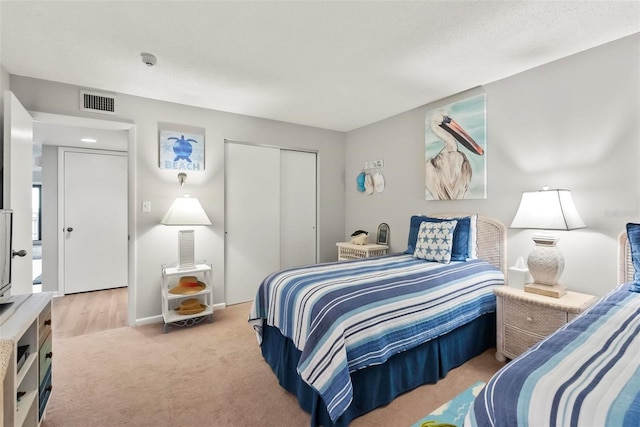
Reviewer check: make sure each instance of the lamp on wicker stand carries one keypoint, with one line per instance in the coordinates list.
(546, 210)
(186, 211)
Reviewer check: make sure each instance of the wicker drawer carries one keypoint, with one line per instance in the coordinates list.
(538, 320)
(517, 342)
(523, 318)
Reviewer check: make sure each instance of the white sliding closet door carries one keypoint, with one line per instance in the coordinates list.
(252, 218)
(270, 215)
(297, 208)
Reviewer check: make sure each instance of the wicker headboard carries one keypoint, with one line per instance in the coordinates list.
(492, 240)
(625, 264)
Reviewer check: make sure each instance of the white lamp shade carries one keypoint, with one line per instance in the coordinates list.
(186, 211)
(547, 210)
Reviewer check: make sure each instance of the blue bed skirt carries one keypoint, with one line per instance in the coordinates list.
(378, 385)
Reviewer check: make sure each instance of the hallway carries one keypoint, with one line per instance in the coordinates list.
(89, 312)
(37, 267)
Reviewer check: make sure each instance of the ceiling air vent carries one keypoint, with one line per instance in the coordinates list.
(97, 102)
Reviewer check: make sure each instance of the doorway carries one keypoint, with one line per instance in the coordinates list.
(26, 129)
(36, 231)
(50, 132)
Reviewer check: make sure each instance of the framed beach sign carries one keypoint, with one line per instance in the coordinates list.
(455, 149)
(181, 150)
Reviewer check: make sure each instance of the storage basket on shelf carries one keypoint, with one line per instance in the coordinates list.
(348, 251)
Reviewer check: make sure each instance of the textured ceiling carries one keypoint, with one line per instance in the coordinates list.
(331, 64)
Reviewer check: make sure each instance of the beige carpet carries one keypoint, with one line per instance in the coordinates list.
(211, 374)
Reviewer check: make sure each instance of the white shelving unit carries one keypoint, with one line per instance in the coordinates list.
(26, 388)
(170, 301)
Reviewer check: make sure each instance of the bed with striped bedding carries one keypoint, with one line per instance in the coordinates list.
(585, 374)
(344, 317)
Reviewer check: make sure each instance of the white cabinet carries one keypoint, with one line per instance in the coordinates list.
(186, 305)
(27, 383)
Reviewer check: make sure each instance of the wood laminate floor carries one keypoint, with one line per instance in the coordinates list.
(89, 312)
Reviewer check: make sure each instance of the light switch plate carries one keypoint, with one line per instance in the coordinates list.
(146, 206)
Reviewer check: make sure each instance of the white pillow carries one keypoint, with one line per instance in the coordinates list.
(434, 241)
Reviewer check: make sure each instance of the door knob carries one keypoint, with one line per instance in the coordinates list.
(19, 253)
(69, 229)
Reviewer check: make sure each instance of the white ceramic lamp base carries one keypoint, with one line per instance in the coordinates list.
(546, 265)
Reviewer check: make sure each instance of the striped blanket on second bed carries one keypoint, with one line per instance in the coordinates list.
(349, 315)
(585, 374)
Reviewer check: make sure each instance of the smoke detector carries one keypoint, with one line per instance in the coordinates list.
(149, 59)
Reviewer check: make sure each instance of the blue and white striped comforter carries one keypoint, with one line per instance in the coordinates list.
(586, 374)
(349, 315)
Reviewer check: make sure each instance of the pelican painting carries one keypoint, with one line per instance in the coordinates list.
(449, 171)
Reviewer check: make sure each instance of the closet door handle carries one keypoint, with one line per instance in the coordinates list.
(19, 253)
(69, 229)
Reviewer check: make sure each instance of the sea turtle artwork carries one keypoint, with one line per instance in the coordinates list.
(182, 148)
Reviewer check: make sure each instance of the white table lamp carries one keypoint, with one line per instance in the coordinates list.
(546, 210)
(186, 211)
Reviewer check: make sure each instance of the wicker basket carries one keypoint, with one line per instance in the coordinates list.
(351, 251)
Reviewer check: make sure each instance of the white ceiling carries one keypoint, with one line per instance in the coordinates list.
(332, 64)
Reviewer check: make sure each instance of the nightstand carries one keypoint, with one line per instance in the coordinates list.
(348, 251)
(173, 295)
(524, 319)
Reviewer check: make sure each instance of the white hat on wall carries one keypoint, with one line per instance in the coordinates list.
(368, 183)
(378, 182)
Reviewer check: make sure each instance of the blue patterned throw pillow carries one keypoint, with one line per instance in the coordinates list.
(434, 241)
(633, 234)
(465, 236)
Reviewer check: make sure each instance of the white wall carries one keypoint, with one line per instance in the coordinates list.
(49, 218)
(573, 124)
(4, 85)
(157, 244)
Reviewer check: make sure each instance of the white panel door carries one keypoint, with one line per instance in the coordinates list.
(17, 183)
(95, 232)
(252, 218)
(297, 208)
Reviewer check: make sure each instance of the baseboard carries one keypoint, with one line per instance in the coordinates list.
(158, 318)
(219, 306)
(149, 320)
